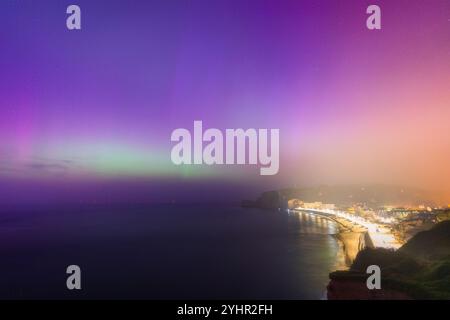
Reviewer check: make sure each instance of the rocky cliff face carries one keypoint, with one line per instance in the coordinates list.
(353, 243)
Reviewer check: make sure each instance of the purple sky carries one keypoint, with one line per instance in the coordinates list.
(87, 115)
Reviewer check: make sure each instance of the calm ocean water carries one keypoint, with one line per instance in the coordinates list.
(166, 252)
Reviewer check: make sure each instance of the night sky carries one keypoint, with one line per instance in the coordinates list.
(87, 115)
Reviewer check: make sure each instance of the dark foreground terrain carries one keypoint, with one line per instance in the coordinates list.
(418, 270)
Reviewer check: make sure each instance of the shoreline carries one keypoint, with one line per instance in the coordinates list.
(351, 239)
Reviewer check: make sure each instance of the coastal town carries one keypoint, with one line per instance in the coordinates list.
(388, 226)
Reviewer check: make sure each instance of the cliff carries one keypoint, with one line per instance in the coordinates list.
(353, 243)
(418, 270)
(267, 200)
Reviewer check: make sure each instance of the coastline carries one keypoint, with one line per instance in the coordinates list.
(351, 238)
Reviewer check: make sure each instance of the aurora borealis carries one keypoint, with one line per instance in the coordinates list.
(88, 113)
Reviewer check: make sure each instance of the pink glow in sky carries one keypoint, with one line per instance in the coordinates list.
(352, 105)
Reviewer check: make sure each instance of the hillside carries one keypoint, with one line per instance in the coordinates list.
(433, 244)
(418, 270)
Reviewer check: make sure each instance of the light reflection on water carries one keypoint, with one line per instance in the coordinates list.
(168, 251)
(313, 224)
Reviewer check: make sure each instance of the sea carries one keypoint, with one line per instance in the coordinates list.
(169, 251)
